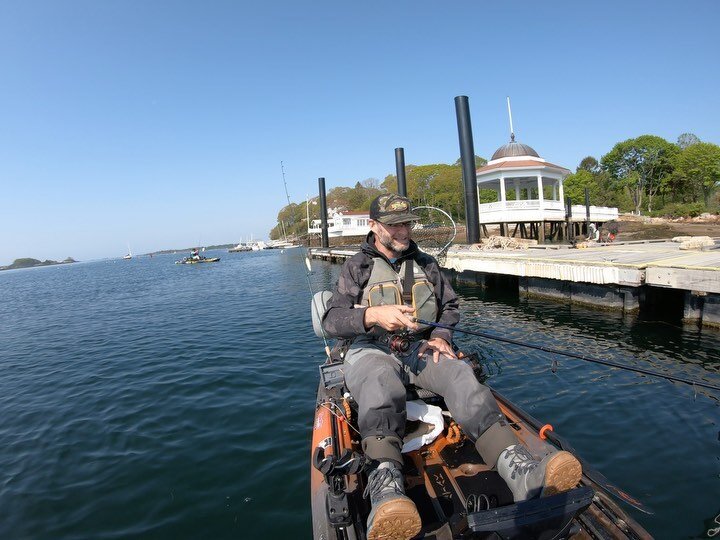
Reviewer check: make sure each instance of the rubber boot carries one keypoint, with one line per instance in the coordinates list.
(393, 515)
(528, 478)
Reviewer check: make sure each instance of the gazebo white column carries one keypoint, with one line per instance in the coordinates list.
(502, 191)
(517, 190)
(562, 192)
(540, 190)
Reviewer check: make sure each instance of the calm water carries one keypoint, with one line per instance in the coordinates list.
(146, 399)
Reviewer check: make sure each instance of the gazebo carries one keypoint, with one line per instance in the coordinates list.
(529, 193)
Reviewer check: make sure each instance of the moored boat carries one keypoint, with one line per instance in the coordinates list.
(188, 260)
(242, 246)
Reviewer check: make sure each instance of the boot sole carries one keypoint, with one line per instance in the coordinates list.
(395, 520)
(562, 473)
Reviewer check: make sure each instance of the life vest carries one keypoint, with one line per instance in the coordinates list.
(385, 287)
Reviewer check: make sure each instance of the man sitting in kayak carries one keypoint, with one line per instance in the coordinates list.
(372, 306)
(195, 254)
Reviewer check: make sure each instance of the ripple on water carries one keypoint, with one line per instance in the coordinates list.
(146, 399)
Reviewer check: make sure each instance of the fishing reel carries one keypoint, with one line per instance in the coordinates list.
(399, 343)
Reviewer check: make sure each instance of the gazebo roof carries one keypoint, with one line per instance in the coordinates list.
(513, 149)
(529, 163)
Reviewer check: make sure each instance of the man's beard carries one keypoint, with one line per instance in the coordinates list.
(393, 245)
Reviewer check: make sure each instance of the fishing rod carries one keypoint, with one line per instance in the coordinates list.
(307, 264)
(315, 307)
(571, 355)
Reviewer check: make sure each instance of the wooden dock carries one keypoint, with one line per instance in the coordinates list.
(613, 276)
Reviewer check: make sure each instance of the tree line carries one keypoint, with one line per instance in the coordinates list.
(645, 175)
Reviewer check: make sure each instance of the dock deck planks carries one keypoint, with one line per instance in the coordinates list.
(657, 263)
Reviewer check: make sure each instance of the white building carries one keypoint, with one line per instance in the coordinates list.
(529, 191)
(343, 224)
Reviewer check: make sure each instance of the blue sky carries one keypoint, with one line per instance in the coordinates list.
(162, 124)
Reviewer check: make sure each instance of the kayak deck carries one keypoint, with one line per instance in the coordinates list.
(456, 493)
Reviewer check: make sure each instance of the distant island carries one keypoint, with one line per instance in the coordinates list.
(30, 263)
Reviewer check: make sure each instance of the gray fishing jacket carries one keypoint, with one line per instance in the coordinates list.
(344, 320)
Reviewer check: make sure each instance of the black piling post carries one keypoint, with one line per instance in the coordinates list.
(587, 211)
(467, 157)
(325, 242)
(400, 171)
(568, 220)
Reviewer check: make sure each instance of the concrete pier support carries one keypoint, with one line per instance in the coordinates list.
(702, 307)
(632, 297)
(547, 288)
(711, 310)
(611, 297)
(471, 278)
(693, 307)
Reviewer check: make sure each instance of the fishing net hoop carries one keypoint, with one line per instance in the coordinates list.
(434, 240)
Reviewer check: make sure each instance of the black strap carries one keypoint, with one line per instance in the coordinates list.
(408, 282)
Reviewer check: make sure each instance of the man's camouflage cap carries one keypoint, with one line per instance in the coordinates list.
(391, 209)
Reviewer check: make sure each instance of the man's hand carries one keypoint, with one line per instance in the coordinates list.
(391, 317)
(438, 346)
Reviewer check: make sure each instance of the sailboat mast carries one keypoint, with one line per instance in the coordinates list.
(287, 196)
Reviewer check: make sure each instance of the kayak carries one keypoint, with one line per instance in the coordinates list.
(456, 493)
(198, 261)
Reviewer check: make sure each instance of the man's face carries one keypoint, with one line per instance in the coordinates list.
(395, 237)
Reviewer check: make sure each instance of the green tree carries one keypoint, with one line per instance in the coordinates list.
(698, 166)
(574, 187)
(291, 221)
(687, 139)
(589, 164)
(479, 162)
(433, 185)
(640, 165)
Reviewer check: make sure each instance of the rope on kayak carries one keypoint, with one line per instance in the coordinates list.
(341, 416)
(455, 434)
(609, 363)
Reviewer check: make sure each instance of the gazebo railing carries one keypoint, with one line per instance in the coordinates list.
(532, 210)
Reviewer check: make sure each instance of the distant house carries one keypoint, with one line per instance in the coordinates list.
(343, 224)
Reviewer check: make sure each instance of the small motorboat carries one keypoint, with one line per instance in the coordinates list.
(188, 260)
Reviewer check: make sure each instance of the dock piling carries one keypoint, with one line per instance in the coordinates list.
(467, 157)
(400, 171)
(325, 242)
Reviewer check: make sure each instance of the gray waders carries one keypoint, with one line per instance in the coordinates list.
(376, 377)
